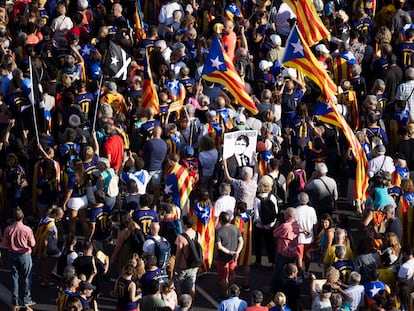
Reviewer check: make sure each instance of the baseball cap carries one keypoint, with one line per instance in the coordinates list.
(86, 285)
(264, 64)
(276, 39)
(322, 48)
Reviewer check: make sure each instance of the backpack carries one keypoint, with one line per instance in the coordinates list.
(298, 183)
(162, 251)
(70, 155)
(137, 239)
(278, 191)
(267, 210)
(195, 251)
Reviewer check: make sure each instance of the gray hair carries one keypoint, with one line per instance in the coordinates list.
(225, 189)
(246, 173)
(291, 212)
(340, 251)
(185, 301)
(409, 74)
(336, 300)
(321, 168)
(355, 277)
(389, 209)
(303, 198)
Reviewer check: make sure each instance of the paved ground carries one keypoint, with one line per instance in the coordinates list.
(208, 292)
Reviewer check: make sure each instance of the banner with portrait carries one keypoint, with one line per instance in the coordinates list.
(239, 148)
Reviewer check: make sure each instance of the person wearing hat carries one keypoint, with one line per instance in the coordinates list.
(85, 291)
(264, 79)
(324, 57)
(381, 162)
(275, 50)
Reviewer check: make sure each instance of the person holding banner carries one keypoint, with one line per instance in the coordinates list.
(245, 188)
(239, 159)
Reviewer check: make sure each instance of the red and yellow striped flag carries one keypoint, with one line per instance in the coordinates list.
(204, 225)
(139, 24)
(149, 93)
(309, 22)
(298, 55)
(219, 68)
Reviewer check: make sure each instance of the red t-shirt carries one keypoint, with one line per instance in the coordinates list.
(230, 41)
(114, 146)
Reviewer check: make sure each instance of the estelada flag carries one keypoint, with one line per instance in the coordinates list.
(219, 68)
(179, 184)
(309, 22)
(149, 93)
(204, 225)
(298, 55)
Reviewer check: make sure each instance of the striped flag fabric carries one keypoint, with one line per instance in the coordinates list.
(400, 173)
(179, 184)
(232, 10)
(177, 91)
(405, 213)
(41, 233)
(139, 24)
(244, 223)
(149, 93)
(309, 22)
(329, 114)
(204, 225)
(298, 55)
(219, 68)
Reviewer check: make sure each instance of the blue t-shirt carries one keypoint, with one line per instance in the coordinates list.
(101, 216)
(144, 218)
(155, 151)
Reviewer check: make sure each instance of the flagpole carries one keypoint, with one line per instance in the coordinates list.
(97, 104)
(32, 99)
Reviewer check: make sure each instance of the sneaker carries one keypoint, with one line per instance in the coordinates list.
(30, 303)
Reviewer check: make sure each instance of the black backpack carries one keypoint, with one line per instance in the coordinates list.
(267, 210)
(278, 191)
(195, 251)
(137, 239)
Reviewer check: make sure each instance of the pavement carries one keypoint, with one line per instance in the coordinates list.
(207, 292)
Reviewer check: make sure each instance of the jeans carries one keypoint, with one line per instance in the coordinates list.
(21, 271)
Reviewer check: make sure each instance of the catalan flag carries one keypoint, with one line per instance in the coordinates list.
(298, 55)
(149, 93)
(309, 22)
(219, 68)
(45, 224)
(139, 24)
(406, 215)
(400, 173)
(177, 91)
(244, 223)
(216, 132)
(204, 224)
(179, 184)
(232, 10)
(342, 65)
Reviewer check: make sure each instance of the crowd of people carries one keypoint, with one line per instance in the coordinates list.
(147, 191)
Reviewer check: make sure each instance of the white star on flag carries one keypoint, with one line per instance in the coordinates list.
(114, 60)
(167, 189)
(374, 291)
(174, 84)
(86, 50)
(216, 63)
(297, 47)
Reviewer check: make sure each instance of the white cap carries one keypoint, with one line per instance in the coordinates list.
(289, 73)
(276, 40)
(264, 64)
(160, 44)
(322, 48)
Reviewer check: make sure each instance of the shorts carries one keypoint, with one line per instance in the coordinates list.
(78, 203)
(226, 269)
(303, 249)
(187, 277)
(155, 177)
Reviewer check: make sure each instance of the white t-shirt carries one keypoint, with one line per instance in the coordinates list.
(407, 271)
(306, 218)
(225, 203)
(356, 293)
(166, 13)
(319, 305)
